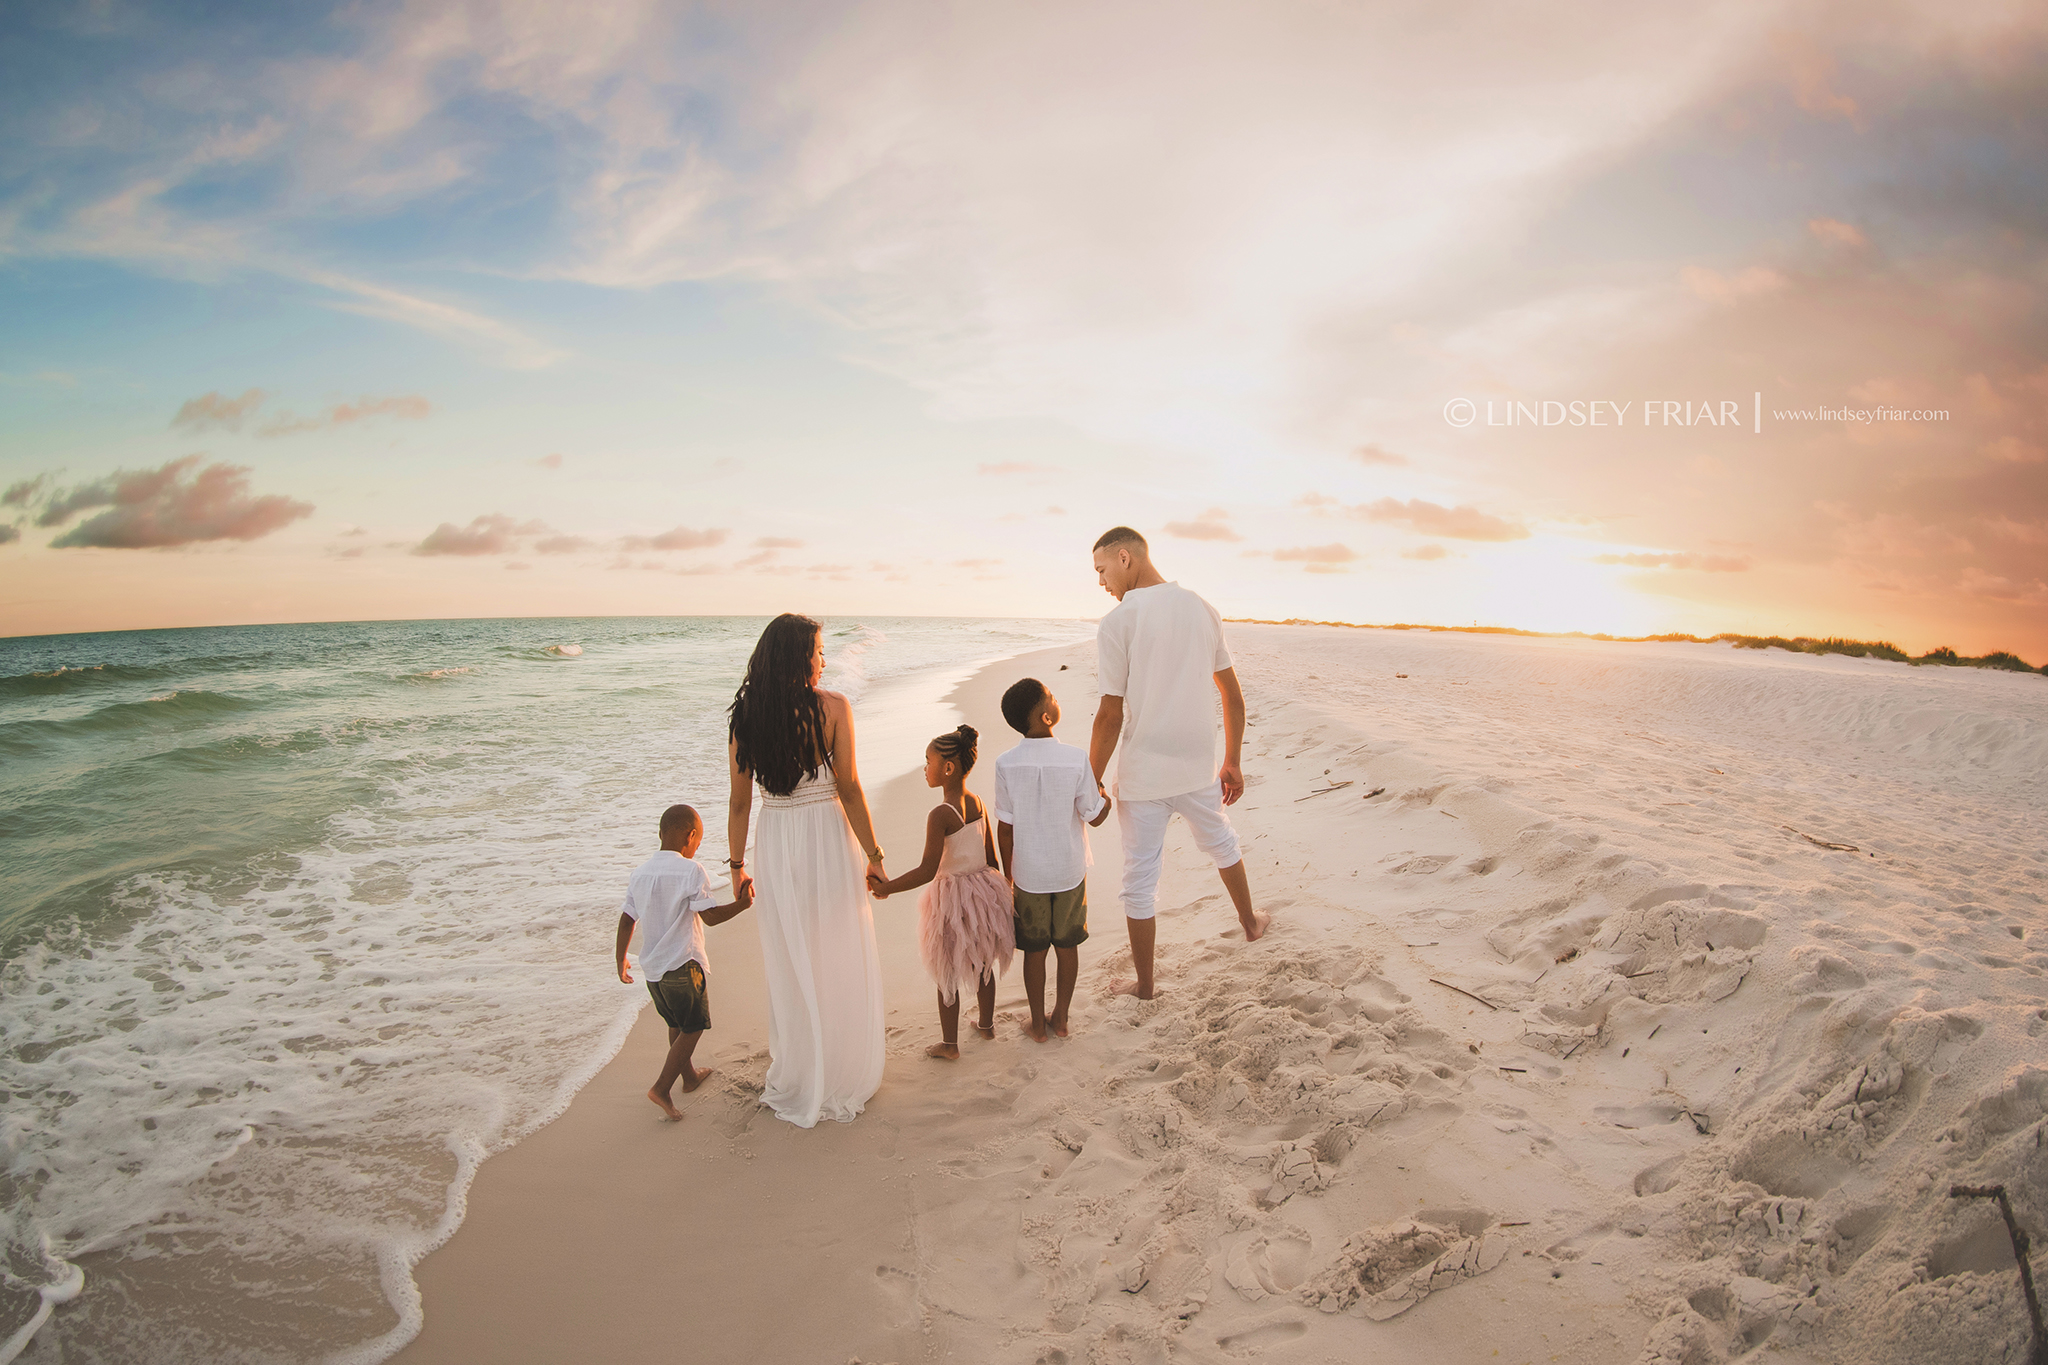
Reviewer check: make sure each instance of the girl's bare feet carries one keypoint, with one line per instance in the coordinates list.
(673, 1114)
(945, 1052)
(1036, 1031)
(987, 1031)
(1059, 1025)
(696, 1077)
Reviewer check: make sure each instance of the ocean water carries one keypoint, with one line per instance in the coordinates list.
(301, 923)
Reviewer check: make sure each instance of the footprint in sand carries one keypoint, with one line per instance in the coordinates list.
(1384, 1271)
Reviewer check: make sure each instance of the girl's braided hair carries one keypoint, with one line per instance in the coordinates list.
(959, 747)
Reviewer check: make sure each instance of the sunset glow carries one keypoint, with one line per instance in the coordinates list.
(1613, 319)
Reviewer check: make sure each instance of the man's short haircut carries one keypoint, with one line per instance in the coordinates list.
(1022, 702)
(1122, 535)
(680, 820)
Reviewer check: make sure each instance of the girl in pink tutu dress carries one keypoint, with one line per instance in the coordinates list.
(965, 929)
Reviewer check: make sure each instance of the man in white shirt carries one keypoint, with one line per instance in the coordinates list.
(1161, 664)
(1044, 790)
(669, 898)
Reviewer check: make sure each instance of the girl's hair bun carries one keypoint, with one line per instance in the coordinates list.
(959, 746)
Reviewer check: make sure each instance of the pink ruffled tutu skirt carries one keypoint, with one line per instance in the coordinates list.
(966, 929)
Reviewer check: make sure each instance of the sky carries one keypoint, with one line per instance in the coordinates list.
(1598, 316)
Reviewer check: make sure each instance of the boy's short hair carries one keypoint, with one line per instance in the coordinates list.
(1121, 535)
(680, 818)
(1021, 704)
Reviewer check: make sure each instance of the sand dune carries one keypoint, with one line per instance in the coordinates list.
(1574, 1039)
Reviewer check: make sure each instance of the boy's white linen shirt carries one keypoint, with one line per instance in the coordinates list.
(1160, 649)
(1045, 793)
(663, 897)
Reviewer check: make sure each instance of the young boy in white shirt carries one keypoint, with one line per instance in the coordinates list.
(1044, 790)
(669, 898)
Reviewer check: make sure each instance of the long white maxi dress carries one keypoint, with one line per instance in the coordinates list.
(817, 930)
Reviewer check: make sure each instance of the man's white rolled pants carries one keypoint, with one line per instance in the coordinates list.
(1144, 831)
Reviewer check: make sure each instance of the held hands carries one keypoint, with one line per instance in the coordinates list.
(1232, 778)
(743, 891)
(878, 882)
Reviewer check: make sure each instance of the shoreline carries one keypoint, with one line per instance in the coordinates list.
(471, 1309)
(1605, 1012)
(1942, 656)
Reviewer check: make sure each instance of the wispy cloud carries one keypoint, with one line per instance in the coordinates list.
(1334, 553)
(213, 410)
(1707, 563)
(678, 538)
(1378, 455)
(1431, 519)
(26, 491)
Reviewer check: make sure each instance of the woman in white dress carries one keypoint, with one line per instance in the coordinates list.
(812, 854)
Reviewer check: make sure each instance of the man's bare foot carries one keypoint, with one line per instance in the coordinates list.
(1036, 1031)
(945, 1052)
(1059, 1025)
(696, 1077)
(1131, 988)
(1256, 930)
(674, 1114)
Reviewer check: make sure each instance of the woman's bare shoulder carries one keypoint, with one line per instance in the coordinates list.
(833, 702)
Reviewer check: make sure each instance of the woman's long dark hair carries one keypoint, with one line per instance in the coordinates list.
(777, 721)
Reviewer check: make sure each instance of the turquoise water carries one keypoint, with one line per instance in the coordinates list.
(301, 922)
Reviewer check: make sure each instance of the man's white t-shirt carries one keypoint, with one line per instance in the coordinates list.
(663, 897)
(1160, 649)
(1045, 793)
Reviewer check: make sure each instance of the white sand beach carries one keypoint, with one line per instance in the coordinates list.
(1576, 1037)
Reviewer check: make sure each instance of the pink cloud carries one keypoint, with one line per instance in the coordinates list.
(1317, 554)
(1208, 526)
(1837, 233)
(1705, 563)
(216, 410)
(1375, 454)
(1455, 523)
(678, 538)
(406, 407)
(492, 534)
(161, 508)
(560, 545)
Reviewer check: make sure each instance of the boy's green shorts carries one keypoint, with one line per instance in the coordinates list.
(682, 999)
(1051, 919)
